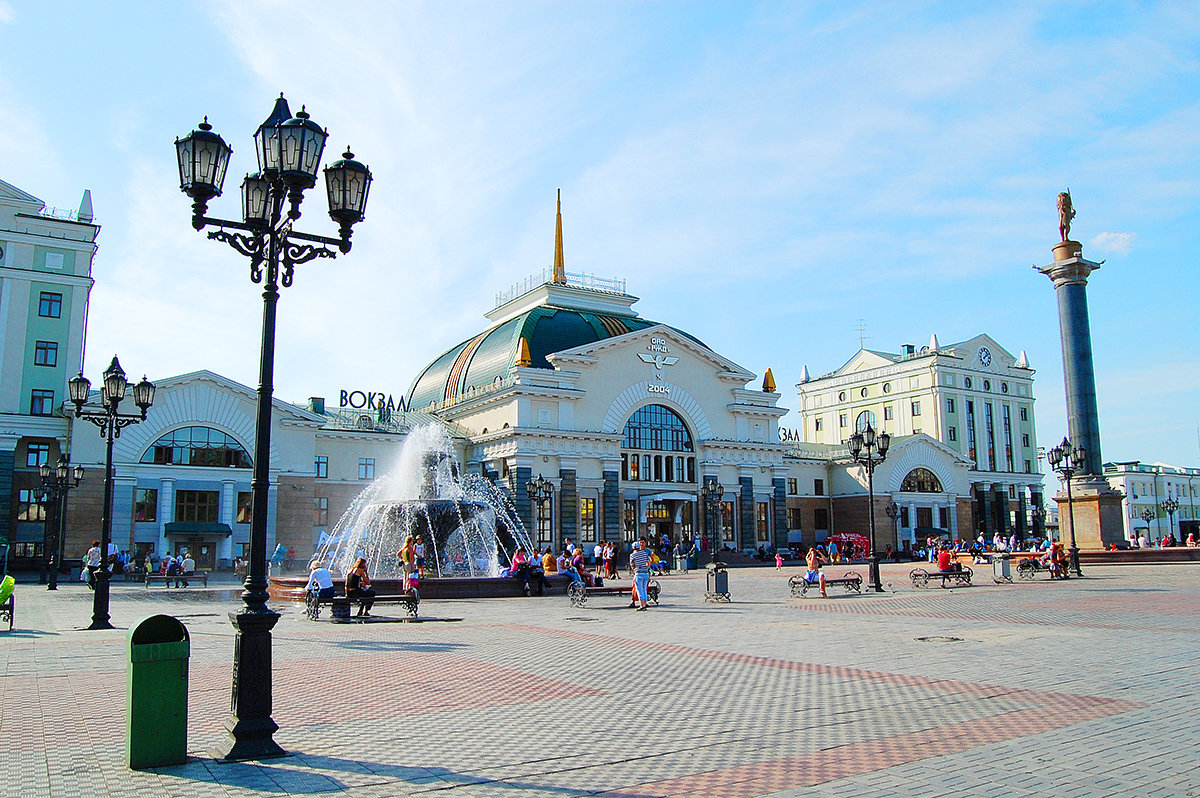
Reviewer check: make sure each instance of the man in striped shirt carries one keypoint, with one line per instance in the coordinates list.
(639, 563)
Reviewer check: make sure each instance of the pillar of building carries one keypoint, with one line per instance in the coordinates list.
(746, 513)
(568, 506)
(611, 501)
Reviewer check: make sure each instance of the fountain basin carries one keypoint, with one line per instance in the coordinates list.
(291, 588)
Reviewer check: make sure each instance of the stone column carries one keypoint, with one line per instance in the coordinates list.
(568, 507)
(746, 513)
(1021, 529)
(1036, 499)
(611, 500)
(779, 519)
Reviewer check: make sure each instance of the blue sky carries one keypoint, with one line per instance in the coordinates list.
(764, 175)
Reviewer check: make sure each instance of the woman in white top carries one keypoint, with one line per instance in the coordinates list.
(91, 561)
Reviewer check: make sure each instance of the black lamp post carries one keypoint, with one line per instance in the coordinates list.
(289, 150)
(712, 492)
(1169, 507)
(1148, 515)
(540, 491)
(55, 484)
(893, 512)
(869, 450)
(1067, 459)
(110, 421)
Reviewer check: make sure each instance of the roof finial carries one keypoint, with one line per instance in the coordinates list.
(769, 382)
(523, 358)
(560, 271)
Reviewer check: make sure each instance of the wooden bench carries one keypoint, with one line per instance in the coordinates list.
(800, 586)
(960, 576)
(167, 579)
(341, 604)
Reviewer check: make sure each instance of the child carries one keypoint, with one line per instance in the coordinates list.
(778, 561)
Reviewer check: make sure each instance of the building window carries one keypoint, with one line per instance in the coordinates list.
(793, 487)
(916, 408)
(657, 428)
(863, 393)
(50, 305)
(145, 504)
(37, 454)
(817, 425)
(545, 526)
(966, 382)
(793, 518)
(197, 506)
(45, 353)
(728, 528)
(843, 419)
(1025, 440)
(921, 480)
(321, 466)
(888, 413)
(1024, 414)
(41, 403)
(987, 385)
(366, 468)
(245, 507)
(887, 387)
(863, 419)
(971, 429)
(1028, 467)
(990, 428)
(29, 508)
(762, 516)
(821, 519)
(1008, 438)
(952, 433)
(587, 519)
(630, 519)
(841, 396)
(818, 487)
(197, 446)
(949, 405)
(1004, 387)
(916, 431)
(321, 511)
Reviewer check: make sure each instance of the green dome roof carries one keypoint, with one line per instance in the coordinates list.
(477, 362)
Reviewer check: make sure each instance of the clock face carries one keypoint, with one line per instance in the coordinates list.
(985, 356)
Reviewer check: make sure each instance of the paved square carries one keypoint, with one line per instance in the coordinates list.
(1082, 688)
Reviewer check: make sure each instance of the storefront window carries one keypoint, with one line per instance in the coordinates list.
(145, 504)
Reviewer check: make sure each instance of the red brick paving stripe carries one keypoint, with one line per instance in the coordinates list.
(1067, 701)
(831, 764)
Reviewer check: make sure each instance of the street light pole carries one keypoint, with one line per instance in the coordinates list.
(111, 422)
(893, 512)
(1170, 506)
(1067, 459)
(869, 450)
(289, 150)
(540, 491)
(1148, 515)
(712, 492)
(55, 484)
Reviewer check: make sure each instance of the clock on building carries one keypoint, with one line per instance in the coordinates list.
(985, 356)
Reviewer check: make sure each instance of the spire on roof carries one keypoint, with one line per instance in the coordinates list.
(85, 206)
(804, 374)
(523, 358)
(1023, 361)
(769, 382)
(933, 342)
(560, 271)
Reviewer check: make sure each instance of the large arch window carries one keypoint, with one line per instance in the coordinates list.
(921, 480)
(650, 432)
(197, 446)
(863, 419)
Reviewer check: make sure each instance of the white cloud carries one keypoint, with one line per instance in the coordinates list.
(1118, 243)
(7, 14)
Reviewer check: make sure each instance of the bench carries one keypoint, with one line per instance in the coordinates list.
(578, 592)
(960, 576)
(341, 605)
(800, 586)
(167, 579)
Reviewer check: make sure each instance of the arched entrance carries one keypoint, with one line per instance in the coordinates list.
(658, 475)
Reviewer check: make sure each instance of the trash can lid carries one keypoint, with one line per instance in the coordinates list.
(158, 629)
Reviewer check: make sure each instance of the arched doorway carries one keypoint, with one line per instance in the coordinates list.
(658, 474)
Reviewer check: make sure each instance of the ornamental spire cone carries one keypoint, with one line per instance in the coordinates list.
(769, 382)
(560, 271)
(523, 358)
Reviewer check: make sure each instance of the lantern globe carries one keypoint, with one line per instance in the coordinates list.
(347, 184)
(203, 157)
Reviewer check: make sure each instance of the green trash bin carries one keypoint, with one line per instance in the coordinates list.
(156, 722)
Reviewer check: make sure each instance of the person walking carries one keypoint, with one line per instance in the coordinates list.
(91, 562)
(639, 564)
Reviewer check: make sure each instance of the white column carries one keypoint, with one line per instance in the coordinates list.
(166, 511)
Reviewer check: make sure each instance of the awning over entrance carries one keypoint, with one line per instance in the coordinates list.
(197, 529)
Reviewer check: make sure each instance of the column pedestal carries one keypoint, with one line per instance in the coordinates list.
(1098, 515)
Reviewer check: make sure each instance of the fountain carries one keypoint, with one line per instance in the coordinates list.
(469, 526)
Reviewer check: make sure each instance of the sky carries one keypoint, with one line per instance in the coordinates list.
(782, 180)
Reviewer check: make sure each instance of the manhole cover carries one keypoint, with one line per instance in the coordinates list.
(582, 619)
(939, 639)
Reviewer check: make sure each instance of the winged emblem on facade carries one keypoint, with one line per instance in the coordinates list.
(658, 359)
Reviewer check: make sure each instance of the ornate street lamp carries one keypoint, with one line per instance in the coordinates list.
(893, 512)
(869, 450)
(1169, 507)
(110, 421)
(55, 484)
(712, 493)
(289, 150)
(1068, 460)
(1148, 515)
(540, 491)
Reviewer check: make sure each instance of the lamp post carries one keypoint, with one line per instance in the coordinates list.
(869, 450)
(712, 492)
(111, 422)
(55, 484)
(1169, 507)
(540, 491)
(289, 150)
(1148, 515)
(1067, 459)
(893, 512)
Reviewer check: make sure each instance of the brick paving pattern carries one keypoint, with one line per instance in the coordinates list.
(1082, 688)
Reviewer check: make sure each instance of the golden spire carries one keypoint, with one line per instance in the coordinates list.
(523, 358)
(769, 382)
(560, 271)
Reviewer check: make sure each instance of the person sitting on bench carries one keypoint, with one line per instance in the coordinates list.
(320, 580)
(358, 586)
(945, 562)
(813, 576)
